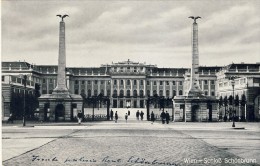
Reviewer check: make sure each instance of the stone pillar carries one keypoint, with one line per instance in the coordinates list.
(105, 88)
(194, 84)
(61, 78)
(131, 91)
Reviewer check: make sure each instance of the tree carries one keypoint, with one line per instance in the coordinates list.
(220, 104)
(225, 104)
(243, 103)
(236, 100)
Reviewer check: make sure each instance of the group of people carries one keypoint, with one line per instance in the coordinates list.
(141, 114)
(165, 116)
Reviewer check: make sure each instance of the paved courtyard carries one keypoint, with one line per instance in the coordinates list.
(132, 143)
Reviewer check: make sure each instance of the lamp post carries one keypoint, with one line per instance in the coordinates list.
(24, 99)
(233, 107)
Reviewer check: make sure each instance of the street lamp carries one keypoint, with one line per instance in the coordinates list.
(24, 99)
(233, 109)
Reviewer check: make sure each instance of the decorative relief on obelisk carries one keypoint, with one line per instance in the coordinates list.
(61, 78)
(194, 79)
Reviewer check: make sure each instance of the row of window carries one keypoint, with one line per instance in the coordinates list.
(129, 83)
(128, 92)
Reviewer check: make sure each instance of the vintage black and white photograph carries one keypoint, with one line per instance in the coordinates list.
(130, 82)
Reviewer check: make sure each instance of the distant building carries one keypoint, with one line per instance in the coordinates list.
(129, 84)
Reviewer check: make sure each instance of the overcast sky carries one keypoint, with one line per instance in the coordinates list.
(155, 32)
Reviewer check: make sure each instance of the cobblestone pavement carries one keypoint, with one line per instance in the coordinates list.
(132, 143)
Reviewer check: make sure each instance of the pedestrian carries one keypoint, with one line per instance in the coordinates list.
(126, 116)
(163, 117)
(80, 115)
(142, 115)
(167, 117)
(11, 118)
(137, 115)
(152, 117)
(116, 117)
(111, 114)
(128, 113)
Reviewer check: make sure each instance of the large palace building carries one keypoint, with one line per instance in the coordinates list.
(129, 84)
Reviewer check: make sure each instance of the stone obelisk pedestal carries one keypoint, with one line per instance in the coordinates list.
(195, 106)
(60, 105)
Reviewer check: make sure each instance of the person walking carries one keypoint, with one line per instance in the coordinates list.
(111, 114)
(167, 117)
(11, 118)
(116, 117)
(142, 115)
(80, 116)
(152, 117)
(163, 117)
(137, 115)
(126, 116)
(128, 113)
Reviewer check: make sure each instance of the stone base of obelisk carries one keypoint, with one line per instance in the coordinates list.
(59, 107)
(195, 109)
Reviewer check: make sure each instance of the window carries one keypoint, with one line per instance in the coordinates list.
(134, 82)
(121, 93)
(102, 82)
(174, 93)
(205, 82)
(108, 92)
(3, 78)
(102, 91)
(115, 93)
(76, 91)
(141, 93)
(122, 82)
(128, 93)
(135, 93)
(108, 82)
(161, 83)
(154, 92)
(148, 92)
(89, 82)
(167, 93)
(44, 81)
(180, 82)
(51, 81)
(206, 93)
(173, 83)
(82, 91)
(160, 93)
(96, 81)
(128, 82)
(212, 93)
(180, 92)
(148, 82)
(167, 82)
(154, 83)
(115, 82)
(212, 82)
(121, 69)
(95, 92)
(82, 82)
(142, 82)
(76, 82)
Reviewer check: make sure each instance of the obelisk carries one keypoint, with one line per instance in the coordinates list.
(195, 90)
(61, 87)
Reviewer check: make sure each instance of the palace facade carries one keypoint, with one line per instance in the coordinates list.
(128, 84)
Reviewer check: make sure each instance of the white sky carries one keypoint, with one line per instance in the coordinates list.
(155, 32)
